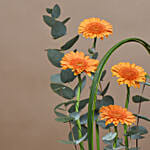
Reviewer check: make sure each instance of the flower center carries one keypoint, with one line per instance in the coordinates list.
(128, 73)
(117, 114)
(95, 27)
(78, 63)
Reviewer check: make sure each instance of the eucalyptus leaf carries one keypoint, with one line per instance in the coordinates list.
(95, 55)
(103, 75)
(147, 76)
(134, 148)
(75, 115)
(64, 119)
(142, 117)
(82, 104)
(137, 130)
(58, 30)
(76, 135)
(84, 117)
(66, 20)
(50, 21)
(56, 78)
(106, 89)
(62, 90)
(136, 137)
(91, 50)
(139, 99)
(83, 83)
(49, 10)
(67, 75)
(58, 107)
(109, 136)
(55, 57)
(65, 142)
(70, 43)
(107, 100)
(102, 124)
(56, 11)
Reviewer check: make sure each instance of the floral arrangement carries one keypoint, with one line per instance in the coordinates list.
(103, 114)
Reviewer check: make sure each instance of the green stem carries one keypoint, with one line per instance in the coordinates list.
(94, 87)
(96, 126)
(77, 110)
(139, 110)
(125, 126)
(94, 43)
(115, 141)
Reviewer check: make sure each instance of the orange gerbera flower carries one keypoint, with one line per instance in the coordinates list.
(116, 114)
(79, 63)
(129, 74)
(94, 27)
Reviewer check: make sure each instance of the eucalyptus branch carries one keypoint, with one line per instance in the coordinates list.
(77, 110)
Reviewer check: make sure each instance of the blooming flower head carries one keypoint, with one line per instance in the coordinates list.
(129, 74)
(116, 114)
(79, 63)
(95, 28)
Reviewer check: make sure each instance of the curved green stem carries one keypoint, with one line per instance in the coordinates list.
(94, 87)
(77, 110)
(115, 141)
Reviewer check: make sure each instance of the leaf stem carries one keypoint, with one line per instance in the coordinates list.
(94, 43)
(115, 141)
(125, 126)
(77, 110)
(139, 110)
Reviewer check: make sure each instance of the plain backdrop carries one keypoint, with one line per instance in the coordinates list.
(27, 121)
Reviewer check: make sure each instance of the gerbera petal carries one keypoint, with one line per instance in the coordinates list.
(94, 27)
(116, 114)
(129, 74)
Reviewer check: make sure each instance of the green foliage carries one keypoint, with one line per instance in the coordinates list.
(48, 10)
(66, 20)
(107, 100)
(55, 56)
(56, 78)
(50, 21)
(105, 89)
(76, 135)
(82, 104)
(95, 55)
(101, 123)
(62, 90)
(64, 119)
(59, 107)
(83, 83)
(70, 43)
(109, 136)
(56, 11)
(75, 115)
(67, 75)
(142, 117)
(137, 131)
(65, 142)
(139, 99)
(58, 30)
(84, 117)
(103, 75)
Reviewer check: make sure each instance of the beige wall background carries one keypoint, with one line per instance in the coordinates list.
(26, 101)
